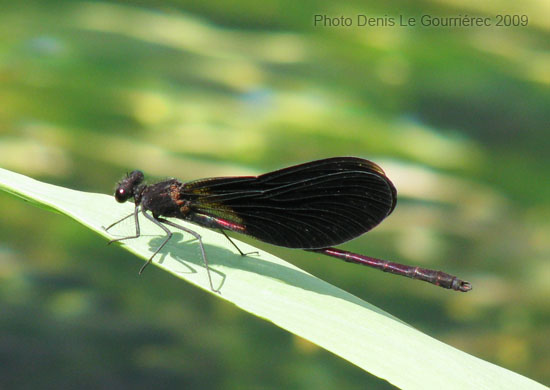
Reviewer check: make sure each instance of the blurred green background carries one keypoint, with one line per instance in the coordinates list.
(458, 118)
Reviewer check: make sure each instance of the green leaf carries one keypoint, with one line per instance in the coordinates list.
(275, 290)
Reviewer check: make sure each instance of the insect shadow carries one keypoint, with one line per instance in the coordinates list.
(186, 251)
(177, 249)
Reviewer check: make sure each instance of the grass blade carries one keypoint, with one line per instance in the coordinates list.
(277, 291)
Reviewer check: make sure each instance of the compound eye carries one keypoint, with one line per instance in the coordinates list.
(121, 195)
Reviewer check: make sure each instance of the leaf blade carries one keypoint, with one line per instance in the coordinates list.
(275, 290)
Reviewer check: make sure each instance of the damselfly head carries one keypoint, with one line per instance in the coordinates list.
(127, 187)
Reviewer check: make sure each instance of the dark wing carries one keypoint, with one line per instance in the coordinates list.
(313, 205)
